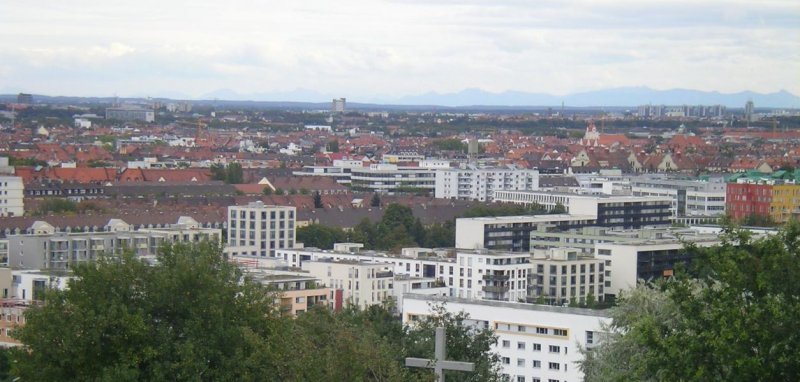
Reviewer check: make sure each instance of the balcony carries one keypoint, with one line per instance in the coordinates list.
(495, 278)
(495, 289)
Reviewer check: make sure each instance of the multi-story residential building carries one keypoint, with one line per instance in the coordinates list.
(565, 276)
(11, 196)
(391, 178)
(489, 275)
(480, 183)
(417, 285)
(44, 248)
(362, 283)
(536, 343)
(763, 196)
(629, 261)
(690, 197)
(257, 229)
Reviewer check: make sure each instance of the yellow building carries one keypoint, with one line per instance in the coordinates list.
(785, 202)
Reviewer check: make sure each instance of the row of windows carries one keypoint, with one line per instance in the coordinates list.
(536, 364)
(530, 329)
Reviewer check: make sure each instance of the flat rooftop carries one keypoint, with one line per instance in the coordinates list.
(511, 305)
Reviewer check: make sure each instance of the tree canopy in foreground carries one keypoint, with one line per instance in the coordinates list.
(736, 317)
(195, 317)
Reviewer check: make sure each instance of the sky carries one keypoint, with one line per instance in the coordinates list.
(382, 50)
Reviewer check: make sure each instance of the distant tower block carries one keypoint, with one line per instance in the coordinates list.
(749, 109)
(24, 99)
(473, 147)
(338, 105)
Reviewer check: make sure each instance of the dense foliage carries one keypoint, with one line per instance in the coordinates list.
(736, 317)
(399, 228)
(230, 174)
(195, 317)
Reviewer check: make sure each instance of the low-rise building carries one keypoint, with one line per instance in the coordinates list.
(42, 247)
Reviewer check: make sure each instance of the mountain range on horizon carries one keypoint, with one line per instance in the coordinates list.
(616, 97)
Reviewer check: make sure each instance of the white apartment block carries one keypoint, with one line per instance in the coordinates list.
(562, 276)
(11, 196)
(471, 274)
(501, 276)
(536, 343)
(481, 183)
(391, 178)
(42, 247)
(257, 230)
(689, 197)
(362, 283)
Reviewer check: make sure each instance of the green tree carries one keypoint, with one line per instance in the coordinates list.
(376, 200)
(191, 317)
(320, 236)
(737, 318)
(279, 191)
(333, 146)
(267, 190)
(292, 191)
(234, 173)
(558, 209)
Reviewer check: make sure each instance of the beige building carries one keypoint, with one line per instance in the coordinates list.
(563, 275)
(361, 283)
(297, 294)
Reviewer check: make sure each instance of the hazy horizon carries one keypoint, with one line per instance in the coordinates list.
(376, 50)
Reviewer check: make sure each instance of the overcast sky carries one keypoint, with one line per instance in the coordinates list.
(366, 50)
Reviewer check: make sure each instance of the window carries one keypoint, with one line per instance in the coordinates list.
(520, 346)
(537, 347)
(536, 364)
(589, 337)
(520, 362)
(506, 360)
(555, 349)
(560, 332)
(541, 330)
(554, 366)
(506, 344)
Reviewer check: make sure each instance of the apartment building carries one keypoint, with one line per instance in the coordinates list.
(536, 343)
(566, 276)
(362, 283)
(501, 276)
(767, 197)
(480, 184)
(690, 197)
(391, 178)
(42, 247)
(11, 196)
(257, 230)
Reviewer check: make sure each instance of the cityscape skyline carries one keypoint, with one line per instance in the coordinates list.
(388, 49)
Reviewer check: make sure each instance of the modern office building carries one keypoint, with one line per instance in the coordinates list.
(12, 193)
(512, 233)
(536, 343)
(130, 113)
(773, 197)
(257, 229)
(481, 183)
(629, 261)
